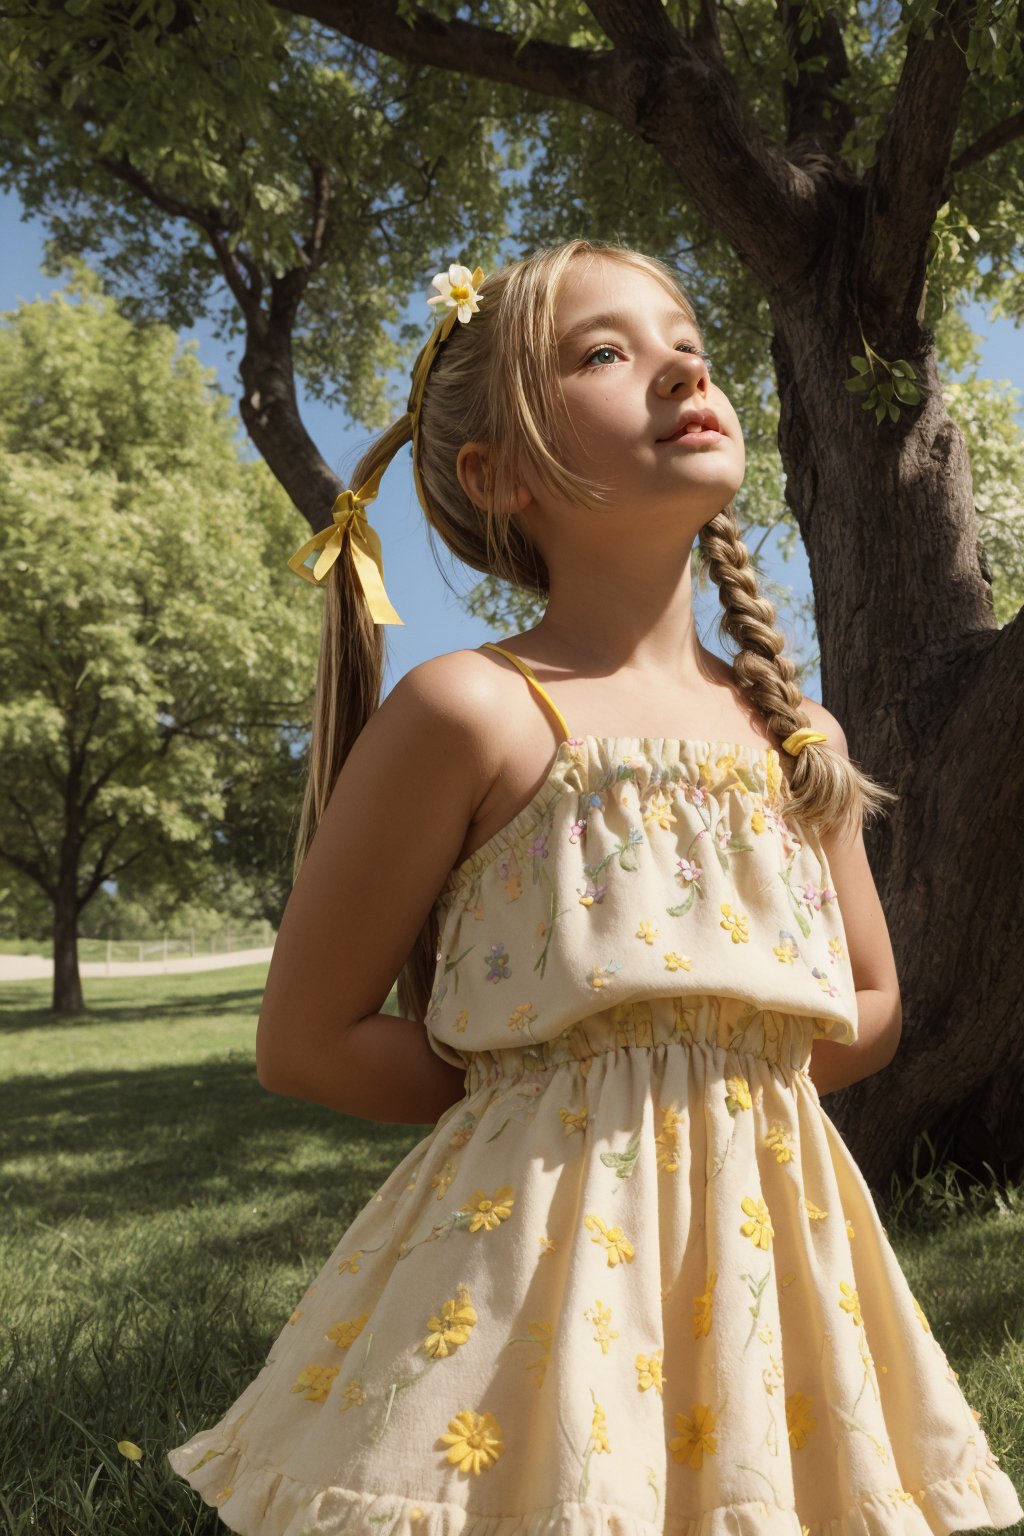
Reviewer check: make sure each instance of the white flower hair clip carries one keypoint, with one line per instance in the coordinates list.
(458, 289)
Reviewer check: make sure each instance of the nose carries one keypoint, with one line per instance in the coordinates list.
(683, 373)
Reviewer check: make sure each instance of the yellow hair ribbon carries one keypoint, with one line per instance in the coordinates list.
(349, 513)
(800, 739)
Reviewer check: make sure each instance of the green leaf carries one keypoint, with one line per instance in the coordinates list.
(860, 363)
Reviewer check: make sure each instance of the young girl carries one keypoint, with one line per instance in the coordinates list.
(632, 1282)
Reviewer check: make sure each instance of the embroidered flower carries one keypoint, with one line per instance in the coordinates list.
(674, 962)
(521, 1016)
(574, 1121)
(647, 932)
(659, 811)
(800, 1421)
(497, 962)
(696, 1438)
(488, 1212)
(737, 1094)
(351, 1263)
(667, 1140)
(703, 1306)
(458, 289)
(599, 1430)
(780, 1140)
(451, 1326)
(475, 1441)
(315, 1382)
(618, 1248)
(850, 1302)
(648, 1372)
(759, 1228)
(345, 1333)
(735, 924)
(601, 1317)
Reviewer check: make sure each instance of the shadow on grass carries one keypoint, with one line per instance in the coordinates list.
(18, 1012)
(172, 1136)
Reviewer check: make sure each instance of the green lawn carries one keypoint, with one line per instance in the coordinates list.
(160, 1214)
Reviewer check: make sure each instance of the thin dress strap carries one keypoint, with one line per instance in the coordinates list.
(525, 670)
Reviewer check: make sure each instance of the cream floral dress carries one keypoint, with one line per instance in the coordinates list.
(632, 1283)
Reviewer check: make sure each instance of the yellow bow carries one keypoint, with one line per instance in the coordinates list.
(799, 739)
(349, 513)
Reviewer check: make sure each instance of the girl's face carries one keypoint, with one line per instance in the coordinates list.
(630, 365)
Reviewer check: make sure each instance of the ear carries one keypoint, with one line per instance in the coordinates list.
(473, 468)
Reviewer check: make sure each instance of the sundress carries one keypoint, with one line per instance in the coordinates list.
(632, 1282)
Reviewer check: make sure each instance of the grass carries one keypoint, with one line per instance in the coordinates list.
(160, 1213)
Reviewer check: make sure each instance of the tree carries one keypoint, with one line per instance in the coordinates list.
(136, 548)
(829, 180)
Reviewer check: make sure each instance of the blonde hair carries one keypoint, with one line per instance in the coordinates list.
(496, 380)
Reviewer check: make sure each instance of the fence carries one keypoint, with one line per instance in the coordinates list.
(224, 941)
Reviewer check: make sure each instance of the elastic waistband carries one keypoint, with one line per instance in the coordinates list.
(726, 1024)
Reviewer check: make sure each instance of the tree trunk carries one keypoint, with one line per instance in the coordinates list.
(887, 516)
(67, 983)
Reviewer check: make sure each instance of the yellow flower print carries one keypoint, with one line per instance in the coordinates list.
(295, 1317)
(667, 1140)
(599, 1430)
(647, 932)
(851, 1302)
(696, 1436)
(489, 1211)
(573, 1121)
(737, 1094)
(836, 950)
(772, 772)
(351, 1263)
(757, 821)
(601, 1317)
(345, 1333)
(461, 1020)
(442, 1179)
(648, 1372)
(800, 1421)
(781, 1143)
(659, 810)
(521, 1016)
(759, 1228)
(315, 1382)
(814, 1212)
(785, 952)
(702, 1308)
(849, 1229)
(353, 1396)
(618, 1248)
(224, 1493)
(451, 1326)
(674, 962)
(735, 924)
(475, 1441)
(603, 972)
(539, 1333)
(925, 1324)
(547, 1245)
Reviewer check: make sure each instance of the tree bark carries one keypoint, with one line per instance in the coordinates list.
(67, 983)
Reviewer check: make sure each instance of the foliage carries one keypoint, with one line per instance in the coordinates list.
(139, 700)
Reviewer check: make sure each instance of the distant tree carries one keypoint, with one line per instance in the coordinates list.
(154, 653)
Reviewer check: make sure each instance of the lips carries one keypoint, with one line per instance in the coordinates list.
(706, 420)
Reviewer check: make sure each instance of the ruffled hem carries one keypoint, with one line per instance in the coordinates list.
(263, 1501)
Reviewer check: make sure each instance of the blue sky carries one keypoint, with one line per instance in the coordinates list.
(434, 620)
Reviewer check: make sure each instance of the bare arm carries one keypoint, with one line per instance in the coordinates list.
(879, 1010)
(391, 832)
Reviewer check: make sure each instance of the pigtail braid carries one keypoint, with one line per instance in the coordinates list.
(822, 786)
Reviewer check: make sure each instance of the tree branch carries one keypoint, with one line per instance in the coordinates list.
(992, 139)
(674, 95)
(910, 179)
